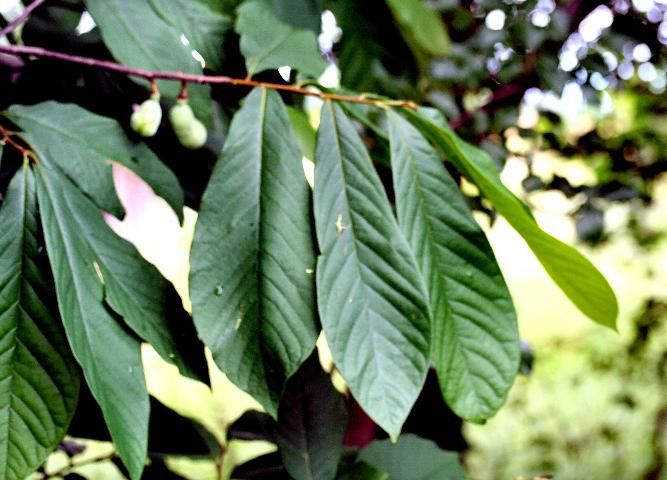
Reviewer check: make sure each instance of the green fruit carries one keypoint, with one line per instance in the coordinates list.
(191, 133)
(146, 119)
(194, 136)
(181, 116)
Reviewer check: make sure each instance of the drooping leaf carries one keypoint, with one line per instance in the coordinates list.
(474, 339)
(311, 424)
(138, 37)
(268, 43)
(39, 380)
(202, 25)
(421, 25)
(573, 273)
(83, 145)
(413, 458)
(370, 295)
(252, 256)
(109, 355)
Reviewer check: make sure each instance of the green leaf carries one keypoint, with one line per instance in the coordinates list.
(474, 339)
(421, 26)
(267, 43)
(362, 471)
(39, 380)
(109, 355)
(83, 145)
(299, 13)
(311, 424)
(413, 458)
(138, 37)
(252, 260)
(202, 25)
(572, 272)
(370, 295)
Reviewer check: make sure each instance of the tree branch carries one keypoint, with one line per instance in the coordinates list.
(21, 18)
(152, 75)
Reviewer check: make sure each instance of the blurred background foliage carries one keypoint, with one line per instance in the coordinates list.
(569, 98)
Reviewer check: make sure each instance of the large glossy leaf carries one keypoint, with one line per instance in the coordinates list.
(83, 145)
(370, 295)
(413, 458)
(311, 424)
(39, 380)
(474, 339)
(109, 355)
(202, 25)
(571, 271)
(137, 36)
(267, 43)
(421, 25)
(252, 257)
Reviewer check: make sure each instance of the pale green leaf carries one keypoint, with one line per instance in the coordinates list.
(83, 145)
(268, 43)
(109, 355)
(39, 380)
(371, 299)
(252, 257)
(311, 424)
(421, 25)
(202, 25)
(474, 339)
(573, 273)
(138, 37)
(413, 458)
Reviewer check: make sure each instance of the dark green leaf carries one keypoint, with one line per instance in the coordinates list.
(421, 26)
(361, 471)
(370, 295)
(138, 37)
(109, 355)
(268, 43)
(252, 256)
(571, 271)
(172, 434)
(83, 145)
(203, 26)
(39, 380)
(474, 339)
(253, 425)
(413, 458)
(311, 424)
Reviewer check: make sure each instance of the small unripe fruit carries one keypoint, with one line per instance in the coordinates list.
(194, 136)
(146, 119)
(181, 115)
(191, 133)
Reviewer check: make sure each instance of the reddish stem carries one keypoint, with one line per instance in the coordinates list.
(152, 75)
(21, 18)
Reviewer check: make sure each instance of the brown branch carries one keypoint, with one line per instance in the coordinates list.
(21, 18)
(152, 75)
